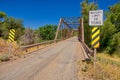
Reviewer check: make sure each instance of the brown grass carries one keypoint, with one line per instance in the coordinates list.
(106, 69)
(16, 51)
(4, 49)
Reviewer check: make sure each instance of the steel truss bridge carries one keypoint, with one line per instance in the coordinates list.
(72, 24)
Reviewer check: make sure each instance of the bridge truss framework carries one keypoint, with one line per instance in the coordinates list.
(72, 23)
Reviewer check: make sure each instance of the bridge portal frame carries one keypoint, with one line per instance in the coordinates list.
(74, 21)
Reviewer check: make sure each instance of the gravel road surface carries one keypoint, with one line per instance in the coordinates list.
(55, 62)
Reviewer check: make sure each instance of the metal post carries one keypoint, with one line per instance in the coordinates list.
(82, 25)
(56, 35)
(72, 32)
(61, 32)
(95, 51)
(10, 49)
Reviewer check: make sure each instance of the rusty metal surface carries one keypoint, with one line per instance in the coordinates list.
(46, 42)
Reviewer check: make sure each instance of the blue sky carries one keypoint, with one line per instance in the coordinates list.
(36, 13)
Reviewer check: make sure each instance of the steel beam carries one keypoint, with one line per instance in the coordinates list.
(82, 26)
(56, 35)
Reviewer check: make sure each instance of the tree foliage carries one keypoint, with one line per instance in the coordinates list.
(110, 31)
(47, 32)
(3, 14)
(86, 7)
(10, 23)
(22, 35)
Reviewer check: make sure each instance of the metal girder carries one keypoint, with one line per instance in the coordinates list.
(67, 25)
(73, 23)
(58, 29)
(70, 22)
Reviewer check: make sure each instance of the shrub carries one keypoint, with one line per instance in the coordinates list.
(4, 57)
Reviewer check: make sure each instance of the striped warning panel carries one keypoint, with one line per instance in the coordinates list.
(11, 35)
(95, 37)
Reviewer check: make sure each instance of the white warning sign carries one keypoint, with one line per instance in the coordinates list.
(96, 18)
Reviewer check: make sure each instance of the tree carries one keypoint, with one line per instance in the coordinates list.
(28, 37)
(114, 15)
(47, 32)
(2, 16)
(12, 23)
(107, 31)
(86, 7)
(110, 31)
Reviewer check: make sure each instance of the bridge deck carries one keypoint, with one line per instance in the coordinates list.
(56, 62)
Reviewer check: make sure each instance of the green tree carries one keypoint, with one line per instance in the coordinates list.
(2, 17)
(86, 7)
(47, 32)
(110, 31)
(107, 30)
(12, 23)
(114, 15)
(3, 14)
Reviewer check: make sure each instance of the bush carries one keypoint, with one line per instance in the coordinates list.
(47, 32)
(114, 44)
(4, 57)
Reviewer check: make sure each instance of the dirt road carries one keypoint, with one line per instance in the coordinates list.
(56, 62)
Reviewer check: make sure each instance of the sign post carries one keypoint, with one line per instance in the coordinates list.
(95, 19)
(11, 39)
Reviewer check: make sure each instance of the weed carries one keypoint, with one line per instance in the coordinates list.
(4, 57)
(107, 68)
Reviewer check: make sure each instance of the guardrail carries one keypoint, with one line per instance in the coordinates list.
(37, 46)
(88, 51)
(86, 57)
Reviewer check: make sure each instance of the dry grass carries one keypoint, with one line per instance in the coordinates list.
(107, 68)
(16, 51)
(106, 56)
(6, 44)
(4, 49)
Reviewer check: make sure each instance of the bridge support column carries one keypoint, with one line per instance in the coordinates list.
(56, 35)
(82, 27)
(81, 30)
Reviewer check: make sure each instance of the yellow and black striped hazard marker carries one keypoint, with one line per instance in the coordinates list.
(95, 37)
(11, 35)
